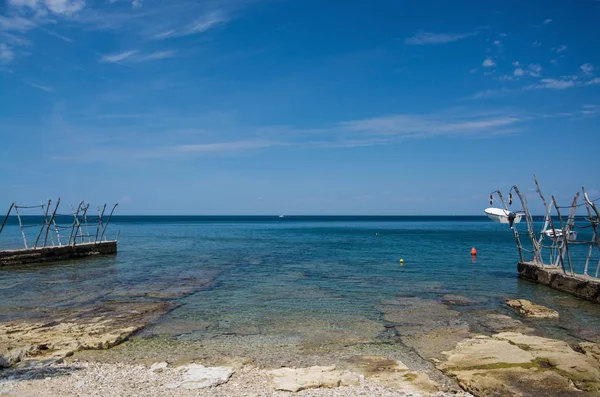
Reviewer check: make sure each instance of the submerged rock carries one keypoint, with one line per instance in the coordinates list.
(291, 379)
(529, 309)
(96, 328)
(459, 300)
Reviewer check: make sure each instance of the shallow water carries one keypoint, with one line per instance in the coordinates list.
(293, 279)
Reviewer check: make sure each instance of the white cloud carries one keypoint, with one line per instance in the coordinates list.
(534, 70)
(519, 72)
(587, 68)
(547, 21)
(39, 86)
(15, 23)
(560, 49)
(200, 25)
(6, 54)
(419, 126)
(536, 44)
(134, 3)
(556, 84)
(429, 38)
(133, 56)
(488, 63)
(516, 63)
(155, 55)
(118, 57)
(593, 81)
(66, 7)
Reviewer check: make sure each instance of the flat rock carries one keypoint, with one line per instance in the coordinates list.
(591, 350)
(529, 309)
(292, 379)
(197, 376)
(513, 364)
(100, 327)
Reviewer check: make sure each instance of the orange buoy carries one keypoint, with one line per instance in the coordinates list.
(473, 251)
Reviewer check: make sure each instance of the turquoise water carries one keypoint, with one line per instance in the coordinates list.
(270, 275)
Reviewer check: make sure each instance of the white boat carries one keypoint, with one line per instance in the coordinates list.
(502, 216)
(558, 236)
(281, 216)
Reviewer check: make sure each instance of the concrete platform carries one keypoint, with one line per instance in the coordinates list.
(584, 287)
(65, 252)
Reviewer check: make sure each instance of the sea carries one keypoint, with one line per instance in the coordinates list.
(237, 281)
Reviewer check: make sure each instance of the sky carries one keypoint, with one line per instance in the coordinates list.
(297, 106)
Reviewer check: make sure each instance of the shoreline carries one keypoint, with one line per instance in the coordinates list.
(444, 352)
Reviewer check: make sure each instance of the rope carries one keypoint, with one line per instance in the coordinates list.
(579, 205)
(30, 206)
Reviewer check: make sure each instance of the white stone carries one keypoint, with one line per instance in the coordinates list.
(158, 366)
(198, 376)
(294, 380)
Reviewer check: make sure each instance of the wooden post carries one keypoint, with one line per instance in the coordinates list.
(594, 221)
(530, 226)
(75, 226)
(110, 216)
(21, 226)
(100, 215)
(6, 217)
(43, 225)
(548, 216)
(565, 232)
(53, 221)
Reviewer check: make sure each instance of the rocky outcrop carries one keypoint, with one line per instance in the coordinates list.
(96, 328)
(513, 364)
(529, 309)
(292, 379)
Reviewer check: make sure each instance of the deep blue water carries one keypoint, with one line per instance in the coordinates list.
(242, 272)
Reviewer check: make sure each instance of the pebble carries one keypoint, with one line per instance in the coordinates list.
(101, 379)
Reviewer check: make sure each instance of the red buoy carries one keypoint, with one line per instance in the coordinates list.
(473, 251)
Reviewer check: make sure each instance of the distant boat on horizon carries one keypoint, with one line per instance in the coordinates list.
(281, 216)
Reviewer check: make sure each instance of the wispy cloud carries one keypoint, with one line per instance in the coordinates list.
(115, 58)
(39, 86)
(6, 54)
(66, 7)
(555, 84)
(134, 3)
(134, 56)
(200, 25)
(429, 38)
(547, 21)
(560, 49)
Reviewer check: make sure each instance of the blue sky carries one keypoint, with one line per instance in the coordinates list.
(297, 107)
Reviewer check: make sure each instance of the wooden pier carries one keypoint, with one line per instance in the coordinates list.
(58, 253)
(52, 241)
(557, 240)
(579, 285)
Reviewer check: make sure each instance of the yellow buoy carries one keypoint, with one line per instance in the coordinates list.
(401, 260)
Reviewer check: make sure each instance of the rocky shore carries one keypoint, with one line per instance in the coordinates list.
(424, 348)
